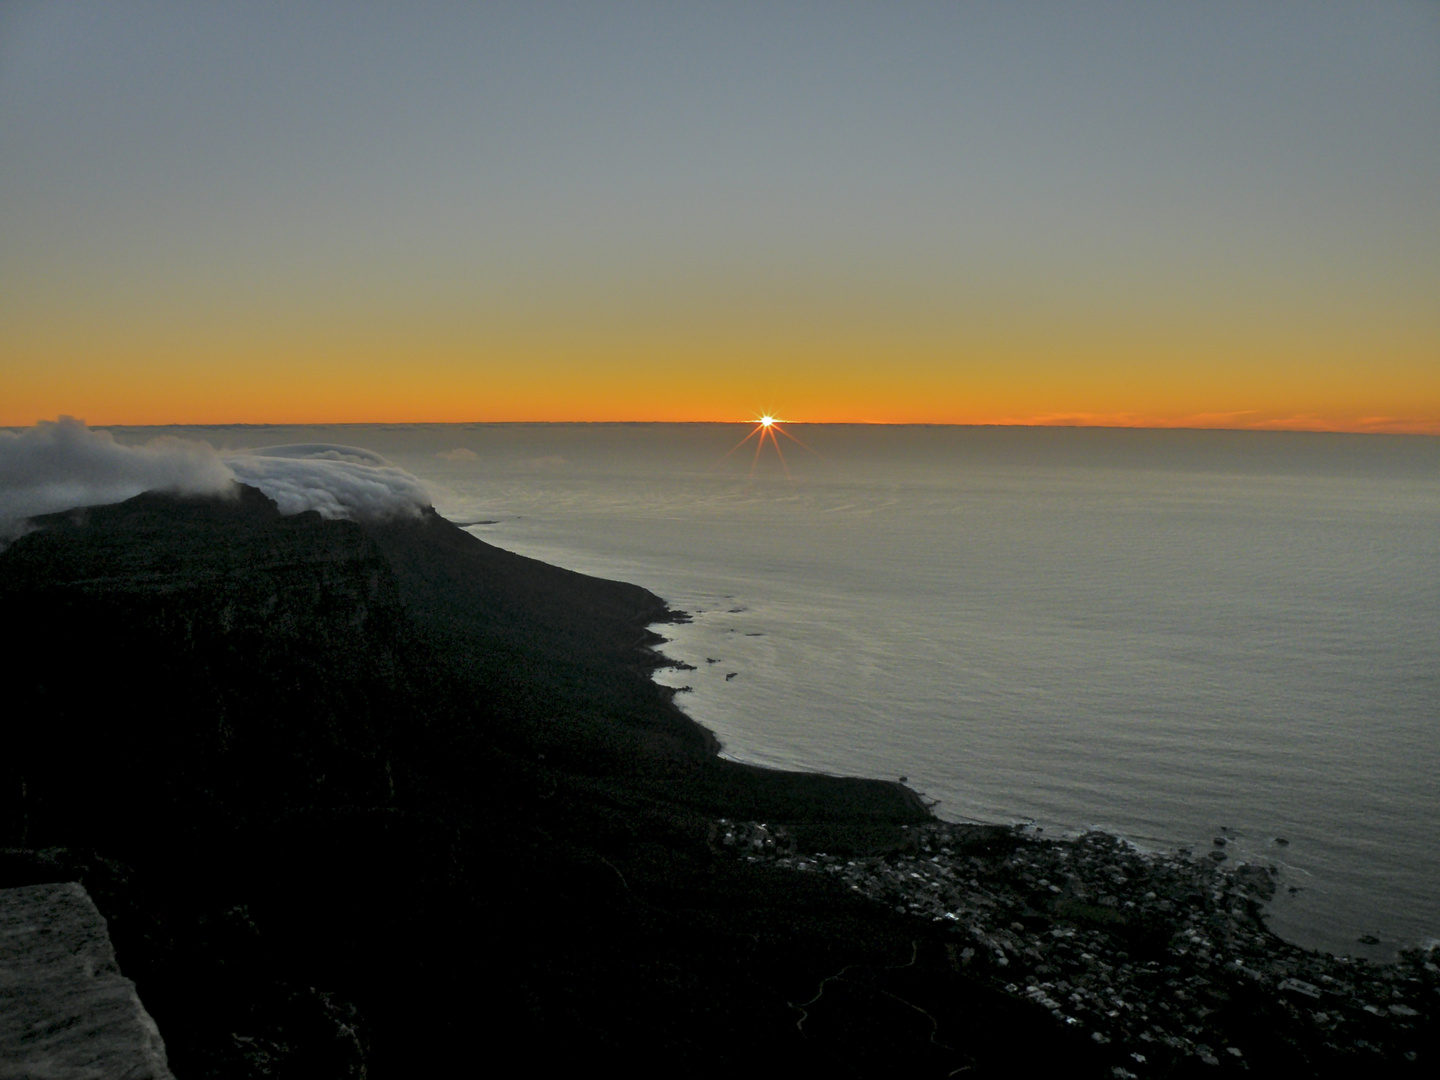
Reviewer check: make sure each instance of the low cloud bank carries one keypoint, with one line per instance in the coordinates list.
(338, 481)
(62, 464)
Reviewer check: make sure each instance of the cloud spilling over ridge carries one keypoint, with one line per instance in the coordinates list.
(337, 481)
(62, 464)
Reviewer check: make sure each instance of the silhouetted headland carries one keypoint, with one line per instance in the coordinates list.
(382, 799)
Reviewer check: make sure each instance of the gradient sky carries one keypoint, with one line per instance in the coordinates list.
(1206, 213)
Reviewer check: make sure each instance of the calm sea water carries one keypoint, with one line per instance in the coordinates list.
(1162, 634)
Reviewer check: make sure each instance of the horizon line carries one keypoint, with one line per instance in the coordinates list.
(1400, 428)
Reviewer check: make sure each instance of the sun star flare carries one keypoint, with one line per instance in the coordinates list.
(766, 426)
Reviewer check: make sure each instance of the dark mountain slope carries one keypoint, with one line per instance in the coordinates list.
(391, 798)
(565, 658)
(201, 656)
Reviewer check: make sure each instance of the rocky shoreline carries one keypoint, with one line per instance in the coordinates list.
(1165, 960)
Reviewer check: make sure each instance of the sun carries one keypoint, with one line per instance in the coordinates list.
(766, 427)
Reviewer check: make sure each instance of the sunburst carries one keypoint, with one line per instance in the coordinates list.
(767, 426)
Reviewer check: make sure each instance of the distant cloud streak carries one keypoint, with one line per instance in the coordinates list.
(1238, 420)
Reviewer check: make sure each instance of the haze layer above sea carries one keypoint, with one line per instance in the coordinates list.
(1170, 635)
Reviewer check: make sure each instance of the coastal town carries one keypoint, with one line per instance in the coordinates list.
(1165, 960)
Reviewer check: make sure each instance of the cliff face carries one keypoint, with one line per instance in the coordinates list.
(65, 1009)
(195, 657)
(361, 799)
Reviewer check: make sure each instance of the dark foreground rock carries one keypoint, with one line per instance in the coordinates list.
(387, 801)
(65, 1010)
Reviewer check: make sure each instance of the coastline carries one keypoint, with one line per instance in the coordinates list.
(1166, 956)
(1332, 870)
(375, 760)
(913, 801)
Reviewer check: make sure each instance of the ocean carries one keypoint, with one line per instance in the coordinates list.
(1170, 635)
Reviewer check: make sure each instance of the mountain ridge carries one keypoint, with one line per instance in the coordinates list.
(294, 760)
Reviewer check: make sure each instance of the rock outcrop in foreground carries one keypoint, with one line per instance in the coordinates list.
(66, 1012)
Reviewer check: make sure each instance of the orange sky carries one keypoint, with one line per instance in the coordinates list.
(956, 355)
(1206, 216)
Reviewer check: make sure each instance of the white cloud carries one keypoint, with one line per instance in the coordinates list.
(57, 465)
(62, 464)
(337, 481)
(460, 453)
